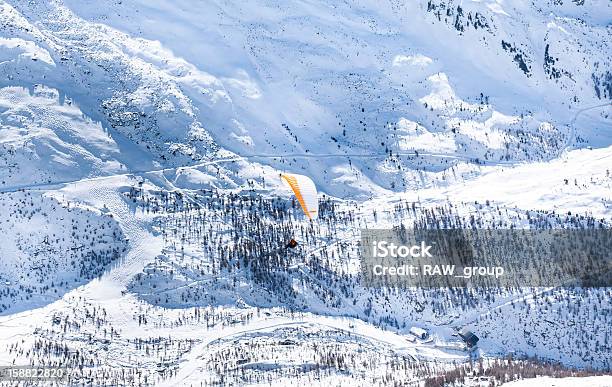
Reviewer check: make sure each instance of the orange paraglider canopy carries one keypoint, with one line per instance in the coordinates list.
(305, 192)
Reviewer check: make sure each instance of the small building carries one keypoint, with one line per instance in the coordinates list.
(419, 332)
(468, 337)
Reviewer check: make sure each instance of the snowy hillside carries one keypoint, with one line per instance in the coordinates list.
(49, 248)
(418, 86)
(144, 225)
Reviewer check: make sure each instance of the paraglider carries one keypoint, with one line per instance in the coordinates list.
(305, 192)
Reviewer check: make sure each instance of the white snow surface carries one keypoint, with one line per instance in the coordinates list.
(482, 80)
(499, 110)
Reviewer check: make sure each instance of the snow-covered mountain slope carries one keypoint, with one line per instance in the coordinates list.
(194, 270)
(195, 300)
(144, 223)
(46, 138)
(49, 248)
(420, 85)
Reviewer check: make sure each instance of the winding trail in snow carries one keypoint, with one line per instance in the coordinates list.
(61, 183)
(193, 365)
(572, 124)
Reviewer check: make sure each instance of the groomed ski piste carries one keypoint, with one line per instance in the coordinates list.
(144, 223)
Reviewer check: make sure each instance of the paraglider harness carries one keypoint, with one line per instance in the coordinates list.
(292, 244)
